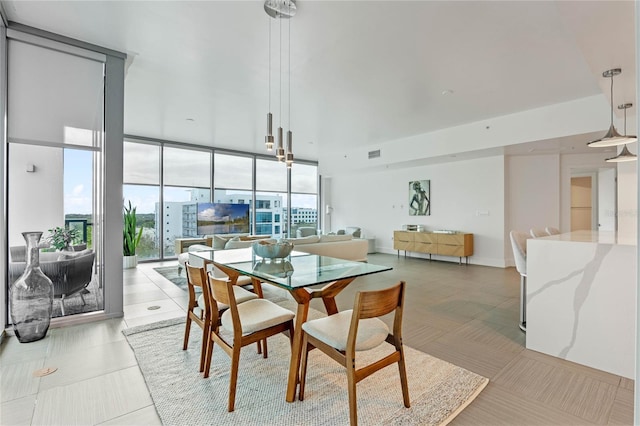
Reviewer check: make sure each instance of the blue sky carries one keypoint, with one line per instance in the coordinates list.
(78, 174)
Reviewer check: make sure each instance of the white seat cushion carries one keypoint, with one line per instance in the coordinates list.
(334, 330)
(242, 295)
(256, 315)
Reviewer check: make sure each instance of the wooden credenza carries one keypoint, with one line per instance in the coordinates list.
(459, 244)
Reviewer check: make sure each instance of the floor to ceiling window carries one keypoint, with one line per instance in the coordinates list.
(271, 196)
(141, 178)
(304, 197)
(233, 180)
(55, 145)
(170, 184)
(186, 182)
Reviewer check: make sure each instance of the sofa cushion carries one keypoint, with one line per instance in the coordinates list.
(334, 238)
(236, 243)
(311, 239)
(67, 255)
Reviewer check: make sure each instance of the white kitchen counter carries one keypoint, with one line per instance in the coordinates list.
(581, 299)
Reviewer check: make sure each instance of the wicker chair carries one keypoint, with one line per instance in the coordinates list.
(70, 272)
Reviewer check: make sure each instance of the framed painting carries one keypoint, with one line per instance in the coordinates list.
(420, 198)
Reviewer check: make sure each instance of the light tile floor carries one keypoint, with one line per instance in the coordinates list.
(463, 314)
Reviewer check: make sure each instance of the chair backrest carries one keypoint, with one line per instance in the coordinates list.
(552, 231)
(519, 246)
(197, 277)
(376, 303)
(221, 291)
(538, 233)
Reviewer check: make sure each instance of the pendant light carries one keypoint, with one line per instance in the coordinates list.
(280, 9)
(280, 149)
(625, 155)
(289, 156)
(612, 138)
(268, 140)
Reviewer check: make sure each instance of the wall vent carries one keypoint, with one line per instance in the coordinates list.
(374, 154)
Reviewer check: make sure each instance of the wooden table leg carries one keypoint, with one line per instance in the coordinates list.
(296, 348)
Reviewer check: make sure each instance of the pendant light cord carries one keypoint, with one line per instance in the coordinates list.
(280, 114)
(612, 100)
(269, 108)
(289, 74)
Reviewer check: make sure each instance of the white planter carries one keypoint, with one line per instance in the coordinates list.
(129, 262)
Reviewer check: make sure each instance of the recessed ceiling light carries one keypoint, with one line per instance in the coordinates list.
(190, 119)
(447, 92)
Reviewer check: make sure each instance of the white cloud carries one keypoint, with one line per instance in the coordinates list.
(77, 190)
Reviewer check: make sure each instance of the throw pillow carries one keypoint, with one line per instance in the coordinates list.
(219, 242)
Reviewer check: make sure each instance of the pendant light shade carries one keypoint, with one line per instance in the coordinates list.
(289, 157)
(625, 155)
(280, 149)
(268, 140)
(612, 138)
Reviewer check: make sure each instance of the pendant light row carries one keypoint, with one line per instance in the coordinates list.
(613, 138)
(286, 11)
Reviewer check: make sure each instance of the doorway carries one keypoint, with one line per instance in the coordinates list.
(593, 200)
(582, 198)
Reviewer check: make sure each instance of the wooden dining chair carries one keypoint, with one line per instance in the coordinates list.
(248, 322)
(197, 277)
(343, 334)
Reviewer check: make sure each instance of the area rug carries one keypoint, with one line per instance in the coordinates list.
(171, 273)
(438, 390)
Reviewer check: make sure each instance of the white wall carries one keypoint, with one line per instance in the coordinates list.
(465, 195)
(628, 197)
(35, 199)
(533, 194)
(551, 122)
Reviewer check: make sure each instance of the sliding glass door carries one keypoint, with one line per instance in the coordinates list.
(54, 176)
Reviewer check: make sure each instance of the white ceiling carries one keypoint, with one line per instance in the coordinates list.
(362, 72)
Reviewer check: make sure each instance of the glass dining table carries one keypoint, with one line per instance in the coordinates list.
(305, 276)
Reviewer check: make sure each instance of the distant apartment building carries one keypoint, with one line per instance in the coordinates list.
(270, 214)
(303, 215)
(180, 218)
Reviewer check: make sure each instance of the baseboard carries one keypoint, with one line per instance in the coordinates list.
(473, 260)
(83, 319)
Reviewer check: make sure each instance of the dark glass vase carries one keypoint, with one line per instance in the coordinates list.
(31, 296)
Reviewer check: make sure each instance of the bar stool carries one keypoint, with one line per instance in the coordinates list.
(552, 231)
(538, 233)
(519, 245)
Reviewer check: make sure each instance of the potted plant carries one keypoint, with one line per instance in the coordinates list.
(61, 238)
(131, 238)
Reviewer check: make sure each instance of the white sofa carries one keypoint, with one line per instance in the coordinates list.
(340, 246)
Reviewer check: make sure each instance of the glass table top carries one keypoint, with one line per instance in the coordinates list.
(295, 271)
